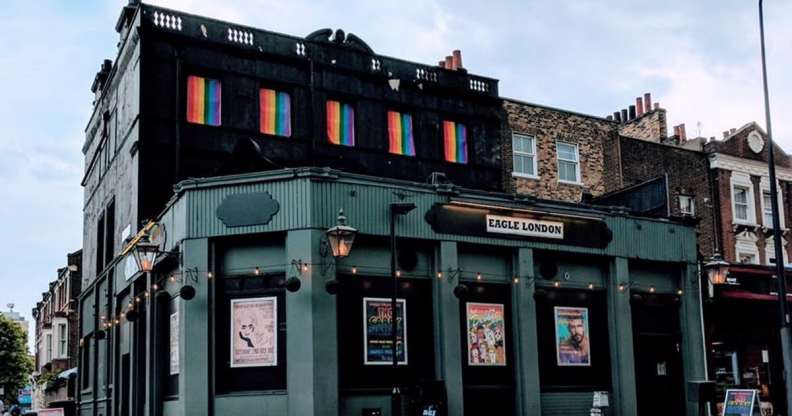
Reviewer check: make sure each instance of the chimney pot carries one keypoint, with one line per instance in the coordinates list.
(609, 117)
(632, 112)
(441, 64)
(656, 106)
(639, 108)
(449, 62)
(624, 115)
(457, 59)
(732, 131)
(648, 102)
(682, 132)
(676, 131)
(725, 134)
(617, 116)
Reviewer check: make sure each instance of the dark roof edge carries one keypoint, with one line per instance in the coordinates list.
(516, 101)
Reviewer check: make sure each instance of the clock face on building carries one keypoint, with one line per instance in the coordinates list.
(755, 142)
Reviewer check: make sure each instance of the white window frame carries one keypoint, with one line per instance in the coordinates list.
(742, 246)
(692, 200)
(48, 347)
(743, 180)
(63, 341)
(579, 180)
(770, 251)
(532, 155)
(765, 187)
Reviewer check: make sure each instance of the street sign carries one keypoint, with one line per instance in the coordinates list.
(740, 403)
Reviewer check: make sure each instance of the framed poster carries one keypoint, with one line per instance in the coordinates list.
(486, 331)
(377, 341)
(572, 336)
(254, 332)
(173, 334)
(739, 403)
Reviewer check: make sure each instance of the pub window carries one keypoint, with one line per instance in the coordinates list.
(169, 361)
(85, 364)
(524, 155)
(364, 332)
(572, 331)
(275, 112)
(568, 162)
(340, 123)
(203, 100)
(401, 139)
(455, 143)
(250, 336)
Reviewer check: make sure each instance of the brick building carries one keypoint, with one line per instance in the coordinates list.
(57, 337)
(723, 186)
(555, 154)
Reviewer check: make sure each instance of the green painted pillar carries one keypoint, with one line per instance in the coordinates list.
(194, 348)
(525, 346)
(625, 399)
(693, 354)
(449, 359)
(311, 343)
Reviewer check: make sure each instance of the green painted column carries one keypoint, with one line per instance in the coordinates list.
(625, 399)
(194, 348)
(693, 355)
(311, 343)
(526, 350)
(449, 359)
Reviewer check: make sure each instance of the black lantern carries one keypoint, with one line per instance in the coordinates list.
(717, 269)
(341, 237)
(145, 253)
(187, 292)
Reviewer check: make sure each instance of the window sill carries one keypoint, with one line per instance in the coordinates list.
(525, 176)
(573, 183)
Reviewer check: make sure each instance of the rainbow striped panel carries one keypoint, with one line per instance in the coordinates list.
(455, 142)
(340, 123)
(274, 112)
(203, 100)
(400, 134)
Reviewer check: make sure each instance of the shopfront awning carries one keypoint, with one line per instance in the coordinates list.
(67, 373)
(743, 294)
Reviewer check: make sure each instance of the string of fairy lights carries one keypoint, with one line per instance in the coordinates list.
(296, 269)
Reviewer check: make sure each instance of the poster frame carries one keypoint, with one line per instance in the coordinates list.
(403, 303)
(274, 362)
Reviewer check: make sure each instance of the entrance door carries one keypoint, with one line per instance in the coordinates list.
(658, 358)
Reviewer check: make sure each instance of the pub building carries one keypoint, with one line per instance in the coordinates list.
(221, 278)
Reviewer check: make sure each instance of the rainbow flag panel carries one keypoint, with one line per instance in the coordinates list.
(455, 142)
(203, 100)
(274, 112)
(400, 134)
(340, 123)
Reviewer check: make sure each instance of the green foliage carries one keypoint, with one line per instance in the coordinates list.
(15, 363)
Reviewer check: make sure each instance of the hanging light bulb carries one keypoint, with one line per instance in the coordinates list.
(516, 280)
(557, 283)
(439, 275)
(257, 271)
(679, 292)
(354, 269)
(652, 289)
(209, 275)
(398, 273)
(478, 276)
(591, 285)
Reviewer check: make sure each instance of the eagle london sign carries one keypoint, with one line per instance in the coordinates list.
(524, 226)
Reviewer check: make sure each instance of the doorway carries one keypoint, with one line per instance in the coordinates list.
(658, 358)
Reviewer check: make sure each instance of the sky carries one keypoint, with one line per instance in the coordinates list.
(699, 59)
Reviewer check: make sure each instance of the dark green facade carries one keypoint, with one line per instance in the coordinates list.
(647, 262)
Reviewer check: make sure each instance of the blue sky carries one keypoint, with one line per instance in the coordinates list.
(699, 59)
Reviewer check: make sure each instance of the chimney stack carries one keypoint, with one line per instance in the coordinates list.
(648, 102)
(456, 55)
(639, 108)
